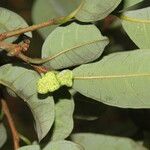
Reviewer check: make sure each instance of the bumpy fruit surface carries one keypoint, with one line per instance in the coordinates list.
(65, 78)
(52, 81)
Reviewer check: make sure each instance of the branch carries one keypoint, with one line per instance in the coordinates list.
(55, 21)
(15, 134)
(40, 69)
(16, 50)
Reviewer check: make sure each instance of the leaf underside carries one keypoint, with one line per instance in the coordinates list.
(71, 45)
(54, 9)
(119, 79)
(63, 125)
(94, 10)
(65, 145)
(23, 82)
(30, 147)
(136, 23)
(104, 142)
(3, 135)
(11, 21)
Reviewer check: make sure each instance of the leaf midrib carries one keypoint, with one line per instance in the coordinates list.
(111, 76)
(135, 20)
(72, 48)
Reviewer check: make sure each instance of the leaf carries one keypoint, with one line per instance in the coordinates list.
(136, 23)
(3, 135)
(71, 45)
(11, 21)
(23, 82)
(120, 79)
(54, 8)
(10, 92)
(94, 10)
(63, 125)
(30, 147)
(130, 3)
(63, 145)
(103, 142)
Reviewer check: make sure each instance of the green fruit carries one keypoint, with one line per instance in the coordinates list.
(65, 77)
(48, 83)
(52, 81)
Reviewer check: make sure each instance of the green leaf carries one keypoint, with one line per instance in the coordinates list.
(3, 135)
(71, 45)
(93, 10)
(10, 92)
(136, 23)
(11, 21)
(63, 125)
(63, 145)
(103, 142)
(54, 8)
(129, 3)
(30, 147)
(23, 82)
(120, 79)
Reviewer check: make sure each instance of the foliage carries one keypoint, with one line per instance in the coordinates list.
(73, 62)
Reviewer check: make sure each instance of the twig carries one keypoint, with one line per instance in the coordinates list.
(16, 50)
(15, 134)
(40, 69)
(55, 21)
(13, 49)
